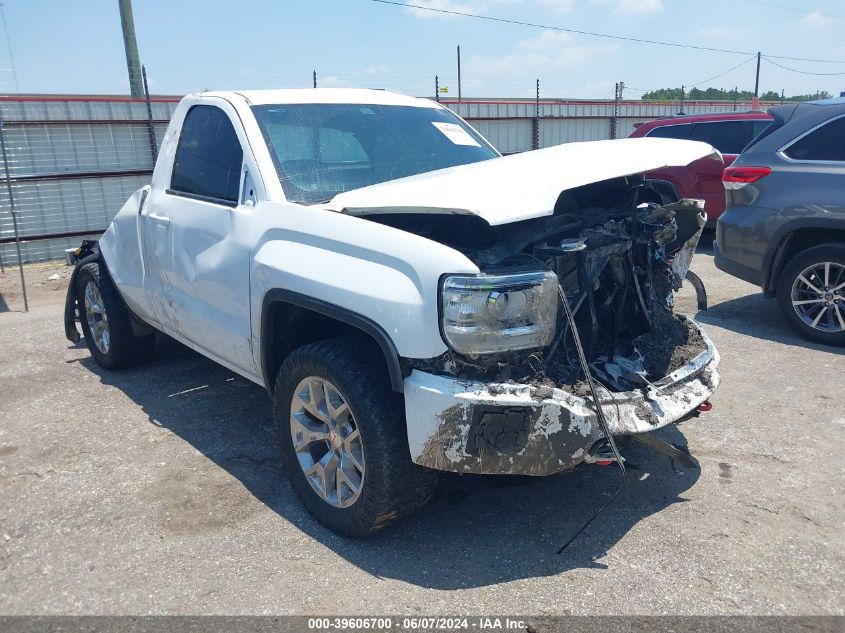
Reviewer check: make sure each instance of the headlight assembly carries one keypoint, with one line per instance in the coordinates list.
(485, 314)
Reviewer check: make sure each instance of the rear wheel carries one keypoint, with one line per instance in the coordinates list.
(811, 293)
(341, 431)
(106, 322)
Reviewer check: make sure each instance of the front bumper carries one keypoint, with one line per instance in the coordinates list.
(485, 428)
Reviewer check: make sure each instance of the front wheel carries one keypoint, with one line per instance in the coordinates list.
(341, 432)
(811, 293)
(106, 322)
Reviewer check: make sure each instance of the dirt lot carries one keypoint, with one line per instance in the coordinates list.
(157, 490)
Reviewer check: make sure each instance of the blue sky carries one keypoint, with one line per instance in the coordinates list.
(192, 45)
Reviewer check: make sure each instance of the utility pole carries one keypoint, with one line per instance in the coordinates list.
(459, 73)
(782, 95)
(133, 62)
(736, 96)
(755, 102)
(437, 88)
(681, 111)
(314, 75)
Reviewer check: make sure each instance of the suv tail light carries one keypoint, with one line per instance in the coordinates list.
(738, 177)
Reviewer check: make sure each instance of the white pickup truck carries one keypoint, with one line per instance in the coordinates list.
(398, 288)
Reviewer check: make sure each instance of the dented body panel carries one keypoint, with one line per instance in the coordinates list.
(507, 428)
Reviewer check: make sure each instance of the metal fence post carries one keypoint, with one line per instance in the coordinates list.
(614, 120)
(536, 126)
(150, 125)
(14, 213)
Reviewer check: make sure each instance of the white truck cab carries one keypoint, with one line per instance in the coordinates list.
(396, 285)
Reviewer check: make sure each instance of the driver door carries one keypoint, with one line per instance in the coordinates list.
(199, 264)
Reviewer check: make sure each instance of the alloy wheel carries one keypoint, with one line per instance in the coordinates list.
(95, 314)
(327, 441)
(818, 296)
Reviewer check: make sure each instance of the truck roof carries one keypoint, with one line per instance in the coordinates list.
(325, 95)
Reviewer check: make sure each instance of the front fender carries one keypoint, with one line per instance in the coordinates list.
(383, 274)
(122, 248)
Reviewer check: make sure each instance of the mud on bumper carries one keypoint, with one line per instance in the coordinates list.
(485, 428)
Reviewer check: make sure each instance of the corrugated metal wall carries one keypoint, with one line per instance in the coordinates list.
(75, 160)
(512, 135)
(508, 125)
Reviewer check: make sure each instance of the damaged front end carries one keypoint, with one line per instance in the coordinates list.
(510, 395)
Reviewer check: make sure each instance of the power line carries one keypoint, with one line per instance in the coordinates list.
(801, 72)
(624, 38)
(724, 73)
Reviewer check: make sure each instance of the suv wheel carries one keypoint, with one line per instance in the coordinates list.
(341, 431)
(811, 293)
(106, 323)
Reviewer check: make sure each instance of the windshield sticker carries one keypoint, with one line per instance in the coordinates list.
(455, 133)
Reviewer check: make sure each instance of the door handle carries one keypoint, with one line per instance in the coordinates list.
(160, 218)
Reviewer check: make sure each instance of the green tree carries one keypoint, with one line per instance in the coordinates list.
(720, 94)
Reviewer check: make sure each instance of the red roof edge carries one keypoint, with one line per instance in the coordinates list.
(82, 98)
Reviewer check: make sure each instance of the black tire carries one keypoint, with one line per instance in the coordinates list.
(393, 486)
(834, 253)
(124, 348)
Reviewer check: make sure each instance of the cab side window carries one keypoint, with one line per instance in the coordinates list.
(671, 131)
(729, 137)
(209, 156)
(826, 143)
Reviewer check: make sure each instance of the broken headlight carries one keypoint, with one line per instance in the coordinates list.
(485, 314)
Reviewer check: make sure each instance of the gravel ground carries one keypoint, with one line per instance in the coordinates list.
(157, 491)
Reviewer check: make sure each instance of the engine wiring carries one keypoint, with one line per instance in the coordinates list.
(585, 366)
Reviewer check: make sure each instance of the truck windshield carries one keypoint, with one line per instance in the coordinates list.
(321, 150)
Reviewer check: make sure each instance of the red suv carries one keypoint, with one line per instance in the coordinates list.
(729, 133)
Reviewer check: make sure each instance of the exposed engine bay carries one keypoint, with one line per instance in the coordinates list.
(619, 249)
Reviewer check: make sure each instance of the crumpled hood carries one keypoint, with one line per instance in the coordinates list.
(521, 186)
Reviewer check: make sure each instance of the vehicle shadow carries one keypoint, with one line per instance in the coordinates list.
(705, 242)
(754, 315)
(478, 531)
